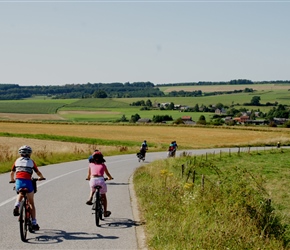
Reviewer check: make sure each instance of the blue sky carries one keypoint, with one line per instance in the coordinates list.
(66, 42)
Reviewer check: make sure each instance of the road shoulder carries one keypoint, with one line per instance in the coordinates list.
(139, 228)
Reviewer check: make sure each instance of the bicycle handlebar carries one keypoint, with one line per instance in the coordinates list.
(33, 179)
(104, 179)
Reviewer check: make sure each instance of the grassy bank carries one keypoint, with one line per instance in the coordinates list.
(228, 201)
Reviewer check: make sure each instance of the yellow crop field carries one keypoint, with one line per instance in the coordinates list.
(186, 137)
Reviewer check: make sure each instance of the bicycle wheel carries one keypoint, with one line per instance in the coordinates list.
(97, 209)
(23, 223)
(101, 210)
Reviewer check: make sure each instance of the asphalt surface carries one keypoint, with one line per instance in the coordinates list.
(66, 222)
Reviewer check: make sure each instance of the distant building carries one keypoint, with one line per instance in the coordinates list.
(188, 120)
(280, 121)
(221, 111)
(144, 120)
(242, 119)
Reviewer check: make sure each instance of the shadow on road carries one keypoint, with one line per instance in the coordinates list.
(117, 183)
(120, 223)
(51, 236)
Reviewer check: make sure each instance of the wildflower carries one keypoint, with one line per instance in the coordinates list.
(188, 186)
(163, 172)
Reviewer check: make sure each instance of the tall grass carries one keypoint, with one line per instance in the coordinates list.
(217, 202)
(45, 156)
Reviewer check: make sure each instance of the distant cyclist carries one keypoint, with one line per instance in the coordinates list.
(172, 148)
(90, 159)
(24, 167)
(97, 169)
(144, 148)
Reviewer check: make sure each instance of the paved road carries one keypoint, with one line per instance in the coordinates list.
(66, 222)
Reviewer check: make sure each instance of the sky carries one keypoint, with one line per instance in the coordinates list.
(76, 42)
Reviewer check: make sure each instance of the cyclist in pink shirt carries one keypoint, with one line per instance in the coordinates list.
(97, 169)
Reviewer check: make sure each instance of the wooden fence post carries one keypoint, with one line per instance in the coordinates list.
(193, 177)
(202, 182)
(182, 170)
(189, 172)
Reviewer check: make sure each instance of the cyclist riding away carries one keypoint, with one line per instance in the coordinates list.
(24, 167)
(144, 148)
(97, 169)
(172, 148)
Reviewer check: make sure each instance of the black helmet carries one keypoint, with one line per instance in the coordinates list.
(98, 156)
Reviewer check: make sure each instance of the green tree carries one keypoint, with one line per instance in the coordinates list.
(148, 103)
(100, 94)
(256, 100)
(123, 119)
(135, 118)
(196, 108)
(219, 105)
(201, 120)
(171, 106)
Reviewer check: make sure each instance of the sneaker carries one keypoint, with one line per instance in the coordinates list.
(107, 214)
(16, 211)
(35, 227)
(89, 203)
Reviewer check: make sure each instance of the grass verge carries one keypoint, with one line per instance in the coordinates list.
(227, 201)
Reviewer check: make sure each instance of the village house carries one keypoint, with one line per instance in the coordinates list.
(242, 119)
(188, 120)
(144, 120)
(221, 111)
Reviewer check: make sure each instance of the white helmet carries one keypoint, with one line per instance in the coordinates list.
(25, 150)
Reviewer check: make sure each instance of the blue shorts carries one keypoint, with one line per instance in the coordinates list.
(24, 183)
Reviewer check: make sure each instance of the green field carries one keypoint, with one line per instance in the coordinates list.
(33, 106)
(112, 109)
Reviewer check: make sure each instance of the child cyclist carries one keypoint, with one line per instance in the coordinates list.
(24, 167)
(97, 169)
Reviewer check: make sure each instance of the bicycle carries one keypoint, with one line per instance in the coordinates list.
(24, 218)
(98, 206)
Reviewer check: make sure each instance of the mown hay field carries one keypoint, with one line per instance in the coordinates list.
(186, 137)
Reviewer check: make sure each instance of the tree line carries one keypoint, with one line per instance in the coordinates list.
(231, 82)
(89, 90)
(114, 90)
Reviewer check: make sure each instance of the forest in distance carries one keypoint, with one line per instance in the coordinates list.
(117, 90)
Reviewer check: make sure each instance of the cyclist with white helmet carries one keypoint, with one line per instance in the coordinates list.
(23, 167)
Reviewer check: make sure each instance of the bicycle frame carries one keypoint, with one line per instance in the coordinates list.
(24, 216)
(25, 223)
(98, 206)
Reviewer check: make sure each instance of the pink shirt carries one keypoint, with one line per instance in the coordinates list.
(97, 169)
